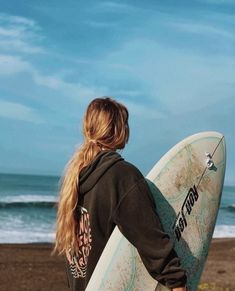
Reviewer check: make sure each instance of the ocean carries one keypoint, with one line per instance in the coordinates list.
(28, 212)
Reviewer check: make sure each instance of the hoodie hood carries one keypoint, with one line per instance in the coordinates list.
(91, 174)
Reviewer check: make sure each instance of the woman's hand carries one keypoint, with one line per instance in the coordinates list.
(180, 289)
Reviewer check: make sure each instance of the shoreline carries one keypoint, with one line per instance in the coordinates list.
(29, 266)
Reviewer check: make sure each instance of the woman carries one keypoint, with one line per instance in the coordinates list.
(101, 190)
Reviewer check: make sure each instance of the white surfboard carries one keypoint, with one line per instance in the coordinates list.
(186, 185)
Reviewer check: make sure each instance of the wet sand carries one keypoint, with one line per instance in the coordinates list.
(29, 267)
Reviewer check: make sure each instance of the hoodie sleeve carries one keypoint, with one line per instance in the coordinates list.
(137, 220)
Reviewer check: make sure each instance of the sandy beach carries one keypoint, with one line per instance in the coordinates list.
(30, 267)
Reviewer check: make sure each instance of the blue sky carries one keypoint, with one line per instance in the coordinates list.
(171, 62)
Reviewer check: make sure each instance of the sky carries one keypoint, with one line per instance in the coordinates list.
(172, 63)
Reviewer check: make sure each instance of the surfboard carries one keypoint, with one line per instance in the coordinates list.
(186, 185)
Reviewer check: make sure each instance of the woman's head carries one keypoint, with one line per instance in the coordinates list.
(106, 123)
(105, 126)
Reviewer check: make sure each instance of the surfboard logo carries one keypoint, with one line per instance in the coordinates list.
(181, 221)
(78, 262)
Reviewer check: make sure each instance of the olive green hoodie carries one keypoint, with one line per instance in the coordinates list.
(114, 192)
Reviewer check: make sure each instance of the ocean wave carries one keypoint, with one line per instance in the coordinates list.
(22, 204)
(26, 236)
(229, 189)
(224, 231)
(230, 208)
(28, 198)
(43, 235)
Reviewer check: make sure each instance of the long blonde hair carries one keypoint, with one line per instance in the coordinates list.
(105, 126)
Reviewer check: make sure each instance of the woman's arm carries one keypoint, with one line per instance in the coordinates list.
(137, 220)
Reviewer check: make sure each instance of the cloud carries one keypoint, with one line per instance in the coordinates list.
(202, 29)
(12, 65)
(19, 34)
(19, 111)
(129, 93)
(114, 5)
(145, 112)
(17, 19)
(97, 63)
(19, 38)
(73, 90)
(182, 81)
(110, 8)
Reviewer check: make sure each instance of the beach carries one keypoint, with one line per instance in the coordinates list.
(30, 267)
(28, 214)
